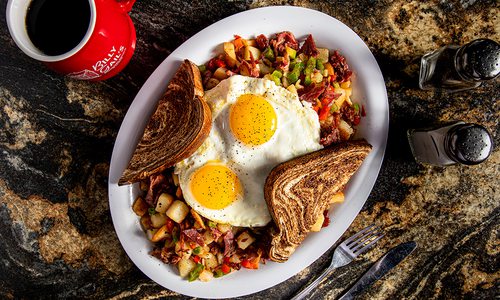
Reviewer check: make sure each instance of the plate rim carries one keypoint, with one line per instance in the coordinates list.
(149, 83)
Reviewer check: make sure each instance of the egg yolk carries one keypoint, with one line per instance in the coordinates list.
(252, 120)
(215, 186)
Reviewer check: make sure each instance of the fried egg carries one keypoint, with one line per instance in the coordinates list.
(255, 126)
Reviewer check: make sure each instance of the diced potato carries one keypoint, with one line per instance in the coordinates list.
(211, 83)
(164, 202)
(251, 42)
(187, 254)
(329, 68)
(292, 88)
(346, 84)
(316, 76)
(185, 266)
(158, 220)
(291, 52)
(161, 234)
(245, 70)
(244, 240)
(323, 55)
(337, 198)
(177, 211)
(223, 227)
(230, 53)
(150, 233)
(198, 219)
(208, 237)
(220, 73)
(178, 192)
(250, 52)
(140, 207)
(284, 81)
(340, 100)
(348, 93)
(206, 275)
(345, 130)
(175, 179)
(210, 261)
(146, 222)
(319, 223)
(220, 258)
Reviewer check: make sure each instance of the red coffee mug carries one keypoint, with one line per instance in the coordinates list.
(103, 52)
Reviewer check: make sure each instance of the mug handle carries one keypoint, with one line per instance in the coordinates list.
(126, 5)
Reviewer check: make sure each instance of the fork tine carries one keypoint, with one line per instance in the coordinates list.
(358, 252)
(365, 234)
(365, 238)
(358, 234)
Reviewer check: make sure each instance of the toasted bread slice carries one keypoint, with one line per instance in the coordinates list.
(179, 125)
(298, 191)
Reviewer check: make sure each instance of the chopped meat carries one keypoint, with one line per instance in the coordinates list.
(283, 39)
(349, 114)
(249, 68)
(206, 77)
(156, 184)
(216, 233)
(194, 236)
(326, 222)
(313, 93)
(339, 64)
(329, 130)
(330, 94)
(216, 62)
(228, 243)
(309, 47)
(165, 255)
(283, 63)
(262, 41)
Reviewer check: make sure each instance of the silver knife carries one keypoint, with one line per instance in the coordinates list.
(380, 268)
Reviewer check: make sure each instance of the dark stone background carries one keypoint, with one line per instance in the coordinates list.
(57, 134)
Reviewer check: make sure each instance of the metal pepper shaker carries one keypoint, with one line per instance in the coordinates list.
(455, 68)
(459, 142)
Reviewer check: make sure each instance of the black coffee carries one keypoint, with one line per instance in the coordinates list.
(57, 26)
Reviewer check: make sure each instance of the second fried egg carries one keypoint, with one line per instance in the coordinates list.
(255, 126)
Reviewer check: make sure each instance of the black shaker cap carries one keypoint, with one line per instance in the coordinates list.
(469, 144)
(479, 60)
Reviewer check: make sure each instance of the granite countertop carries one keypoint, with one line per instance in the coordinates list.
(57, 134)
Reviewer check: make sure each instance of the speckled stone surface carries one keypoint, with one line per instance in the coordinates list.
(57, 134)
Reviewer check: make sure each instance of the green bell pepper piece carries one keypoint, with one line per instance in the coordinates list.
(195, 273)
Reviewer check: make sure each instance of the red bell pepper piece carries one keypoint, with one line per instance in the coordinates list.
(225, 269)
(323, 113)
(196, 259)
(250, 263)
(215, 63)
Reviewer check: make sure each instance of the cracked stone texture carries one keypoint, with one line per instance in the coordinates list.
(56, 138)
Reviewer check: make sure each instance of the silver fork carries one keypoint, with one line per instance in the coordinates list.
(346, 252)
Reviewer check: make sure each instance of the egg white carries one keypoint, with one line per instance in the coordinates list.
(297, 133)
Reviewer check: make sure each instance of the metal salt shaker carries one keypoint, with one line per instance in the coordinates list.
(455, 68)
(467, 144)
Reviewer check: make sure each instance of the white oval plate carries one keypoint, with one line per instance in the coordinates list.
(369, 90)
